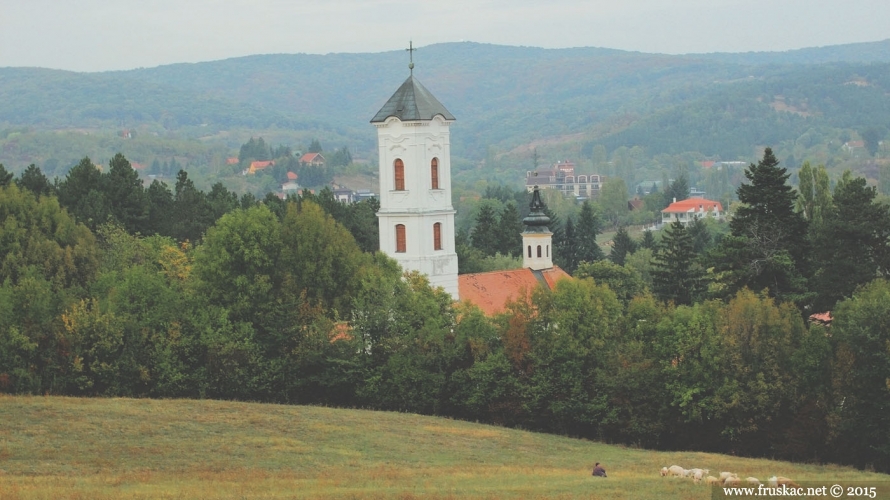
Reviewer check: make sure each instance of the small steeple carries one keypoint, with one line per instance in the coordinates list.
(537, 240)
(537, 220)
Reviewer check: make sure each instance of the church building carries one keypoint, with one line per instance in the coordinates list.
(492, 290)
(416, 216)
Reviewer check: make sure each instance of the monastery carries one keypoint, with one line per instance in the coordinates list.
(416, 217)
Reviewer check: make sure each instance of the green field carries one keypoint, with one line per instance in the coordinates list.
(57, 448)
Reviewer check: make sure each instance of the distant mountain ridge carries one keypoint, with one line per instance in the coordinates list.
(502, 96)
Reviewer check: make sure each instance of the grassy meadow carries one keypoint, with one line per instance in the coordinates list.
(70, 448)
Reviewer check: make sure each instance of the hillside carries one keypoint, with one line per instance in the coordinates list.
(54, 447)
(719, 105)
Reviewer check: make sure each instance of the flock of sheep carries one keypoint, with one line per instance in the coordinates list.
(725, 479)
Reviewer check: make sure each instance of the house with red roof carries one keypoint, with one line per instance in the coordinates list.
(690, 209)
(312, 159)
(259, 165)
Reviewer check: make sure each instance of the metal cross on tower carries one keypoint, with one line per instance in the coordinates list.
(411, 50)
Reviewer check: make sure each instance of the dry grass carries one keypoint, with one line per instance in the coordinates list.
(68, 448)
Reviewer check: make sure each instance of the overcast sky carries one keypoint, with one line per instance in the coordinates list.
(98, 35)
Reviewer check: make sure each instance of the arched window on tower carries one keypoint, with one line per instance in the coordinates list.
(437, 236)
(400, 238)
(399, 170)
(434, 174)
(539, 251)
(529, 251)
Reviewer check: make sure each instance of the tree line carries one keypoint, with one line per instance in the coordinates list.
(279, 302)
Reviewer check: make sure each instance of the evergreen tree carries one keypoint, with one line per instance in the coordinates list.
(82, 194)
(315, 146)
(126, 196)
(484, 236)
(558, 237)
(193, 212)
(160, 209)
(677, 190)
(568, 256)
(5, 176)
(852, 243)
(589, 227)
(676, 275)
(767, 247)
(648, 240)
(622, 246)
(35, 181)
(509, 231)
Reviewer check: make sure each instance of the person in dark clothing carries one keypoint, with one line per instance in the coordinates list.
(599, 471)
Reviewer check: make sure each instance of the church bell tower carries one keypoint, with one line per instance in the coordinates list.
(416, 216)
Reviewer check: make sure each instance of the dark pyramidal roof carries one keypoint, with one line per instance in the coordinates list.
(410, 103)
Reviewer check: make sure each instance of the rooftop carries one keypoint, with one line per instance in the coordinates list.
(491, 291)
(412, 102)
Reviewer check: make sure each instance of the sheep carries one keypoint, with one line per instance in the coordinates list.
(711, 480)
(698, 474)
(732, 481)
(753, 481)
(724, 475)
(774, 482)
(676, 470)
(664, 471)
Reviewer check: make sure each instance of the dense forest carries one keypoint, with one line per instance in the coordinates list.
(698, 338)
(507, 100)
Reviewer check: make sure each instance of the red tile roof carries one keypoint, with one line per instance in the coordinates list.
(491, 291)
(232, 161)
(821, 318)
(291, 176)
(693, 205)
(311, 157)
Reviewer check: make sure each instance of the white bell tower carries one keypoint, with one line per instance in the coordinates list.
(416, 216)
(537, 240)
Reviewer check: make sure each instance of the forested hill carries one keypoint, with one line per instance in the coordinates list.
(503, 97)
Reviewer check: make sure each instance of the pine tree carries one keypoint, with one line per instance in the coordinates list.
(676, 274)
(509, 231)
(35, 181)
(622, 246)
(5, 176)
(648, 240)
(484, 236)
(567, 258)
(589, 227)
(768, 245)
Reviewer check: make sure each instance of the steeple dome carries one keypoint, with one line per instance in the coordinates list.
(537, 240)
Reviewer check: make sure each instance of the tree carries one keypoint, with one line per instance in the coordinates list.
(82, 194)
(624, 281)
(860, 328)
(678, 190)
(648, 240)
(35, 181)
(613, 199)
(5, 176)
(193, 212)
(126, 197)
(589, 227)
(622, 245)
(852, 244)
(484, 236)
(872, 138)
(767, 248)
(315, 146)
(568, 253)
(676, 274)
(508, 232)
